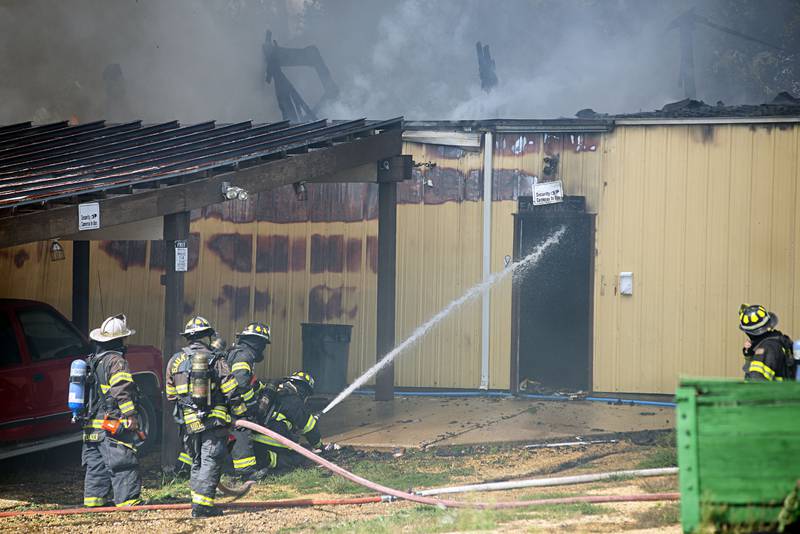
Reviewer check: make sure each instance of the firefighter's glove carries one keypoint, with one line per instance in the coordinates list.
(132, 424)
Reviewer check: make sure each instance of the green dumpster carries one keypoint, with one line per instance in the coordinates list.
(738, 450)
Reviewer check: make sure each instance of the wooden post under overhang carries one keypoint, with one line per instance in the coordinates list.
(80, 285)
(387, 257)
(176, 228)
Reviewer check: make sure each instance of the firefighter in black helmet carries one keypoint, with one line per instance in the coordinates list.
(767, 351)
(291, 418)
(203, 392)
(256, 396)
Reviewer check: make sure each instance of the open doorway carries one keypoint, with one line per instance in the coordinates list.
(552, 303)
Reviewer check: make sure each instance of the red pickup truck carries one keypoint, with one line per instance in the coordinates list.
(37, 346)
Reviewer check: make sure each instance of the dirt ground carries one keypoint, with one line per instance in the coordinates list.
(431, 457)
(46, 481)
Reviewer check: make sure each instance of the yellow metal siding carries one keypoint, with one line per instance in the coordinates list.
(706, 218)
(438, 258)
(26, 272)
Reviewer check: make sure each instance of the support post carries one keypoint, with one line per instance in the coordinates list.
(387, 268)
(80, 285)
(488, 149)
(176, 227)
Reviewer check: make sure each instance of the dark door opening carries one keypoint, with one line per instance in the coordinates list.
(552, 302)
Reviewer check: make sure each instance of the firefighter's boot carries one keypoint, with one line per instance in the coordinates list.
(198, 510)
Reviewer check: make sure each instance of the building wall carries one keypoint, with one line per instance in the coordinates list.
(704, 216)
(288, 262)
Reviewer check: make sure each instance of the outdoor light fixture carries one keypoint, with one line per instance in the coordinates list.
(56, 251)
(300, 190)
(231, 192)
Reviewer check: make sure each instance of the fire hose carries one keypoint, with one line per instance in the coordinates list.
(386, 493)
(431, 501)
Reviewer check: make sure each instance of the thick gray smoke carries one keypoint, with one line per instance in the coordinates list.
(194, 60)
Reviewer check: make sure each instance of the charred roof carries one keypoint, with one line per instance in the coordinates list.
(783, 105)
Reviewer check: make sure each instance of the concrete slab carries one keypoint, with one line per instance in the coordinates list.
(415, 422)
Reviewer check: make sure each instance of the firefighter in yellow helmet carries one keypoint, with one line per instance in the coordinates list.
(767, 351)
(200, 385)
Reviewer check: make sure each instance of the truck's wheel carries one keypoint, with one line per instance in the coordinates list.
(150, 425)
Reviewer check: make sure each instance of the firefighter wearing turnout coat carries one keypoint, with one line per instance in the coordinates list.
(767, 351)
(111, 424)
(203, 391)
(290, 418)
(242, 358)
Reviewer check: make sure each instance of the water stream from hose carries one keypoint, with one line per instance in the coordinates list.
(475, 291)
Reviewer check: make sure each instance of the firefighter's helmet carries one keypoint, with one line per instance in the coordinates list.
(114, 327)
(303, 379)
(198, 327)
(257, 329)
(755, 319)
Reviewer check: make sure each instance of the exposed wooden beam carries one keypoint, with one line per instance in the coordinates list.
(314, 166)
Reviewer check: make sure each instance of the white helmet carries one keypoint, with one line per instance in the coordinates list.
(112, 328)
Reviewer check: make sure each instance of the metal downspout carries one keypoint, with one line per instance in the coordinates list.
(488, 149)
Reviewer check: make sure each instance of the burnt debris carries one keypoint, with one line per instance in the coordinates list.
(292, 106)
(486, 67)
(783, 105)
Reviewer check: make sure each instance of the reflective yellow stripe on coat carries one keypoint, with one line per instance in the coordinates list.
(241, 366)
(118, 377)
(763, 369)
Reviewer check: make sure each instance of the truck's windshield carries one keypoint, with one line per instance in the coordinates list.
(49, 336)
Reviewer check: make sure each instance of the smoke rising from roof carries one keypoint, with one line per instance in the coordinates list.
(194, 60)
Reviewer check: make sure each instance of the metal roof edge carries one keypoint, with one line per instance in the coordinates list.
(513, 125)
(704, 120)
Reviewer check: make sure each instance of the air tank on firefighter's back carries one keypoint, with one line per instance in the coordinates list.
(77, 386)
(199, 379)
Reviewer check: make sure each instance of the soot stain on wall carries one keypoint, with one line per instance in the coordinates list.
(237, 297)
(272, 254)
(326, 303)
(235, 250)
(126, 253)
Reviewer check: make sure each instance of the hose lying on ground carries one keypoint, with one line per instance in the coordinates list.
(432, 501)
(553, 481)
(384, 490)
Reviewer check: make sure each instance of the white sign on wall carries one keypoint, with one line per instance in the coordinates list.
(181, 257)
(89, 216)
(548, 193)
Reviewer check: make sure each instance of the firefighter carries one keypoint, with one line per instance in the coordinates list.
(111, 428)
(289, 417)
(242, 357)
(767, 351)
(183, 465)
(199, 384)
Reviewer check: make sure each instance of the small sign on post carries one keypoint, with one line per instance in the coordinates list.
(548, 193)
(89, 216)
(181, 257)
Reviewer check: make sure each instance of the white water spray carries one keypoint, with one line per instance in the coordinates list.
(475, 291)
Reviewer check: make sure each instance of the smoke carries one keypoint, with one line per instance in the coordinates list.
(196, 60)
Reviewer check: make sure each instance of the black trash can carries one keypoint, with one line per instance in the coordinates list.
(325, 351)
